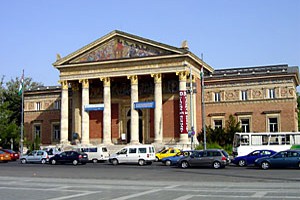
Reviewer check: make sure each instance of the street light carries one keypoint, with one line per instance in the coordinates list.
(191, 108)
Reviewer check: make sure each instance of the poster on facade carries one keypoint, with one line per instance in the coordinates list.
(183, 115)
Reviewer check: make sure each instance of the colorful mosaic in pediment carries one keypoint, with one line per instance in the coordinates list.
(119, 48)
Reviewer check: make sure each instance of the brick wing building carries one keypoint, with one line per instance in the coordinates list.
(123, 88)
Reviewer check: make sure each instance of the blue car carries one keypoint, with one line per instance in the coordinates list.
(172, 160)
(282, 159)
(249, 159)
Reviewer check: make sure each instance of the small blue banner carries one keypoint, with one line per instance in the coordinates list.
(94, 107)
(144, 105)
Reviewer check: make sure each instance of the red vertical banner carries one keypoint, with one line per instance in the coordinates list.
(183, 115)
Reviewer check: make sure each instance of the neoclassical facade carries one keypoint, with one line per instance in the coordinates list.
(124, 89)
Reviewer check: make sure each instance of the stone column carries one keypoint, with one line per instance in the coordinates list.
(76, 116)
(64, 119)
(134, 121)
(85, 119)
(182, 87)
(158, 115)
(106, 111)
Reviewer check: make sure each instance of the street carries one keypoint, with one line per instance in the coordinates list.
(104, 181)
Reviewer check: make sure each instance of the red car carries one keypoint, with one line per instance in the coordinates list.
(14, 155)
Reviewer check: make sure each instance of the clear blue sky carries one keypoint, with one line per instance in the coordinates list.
(230, 33)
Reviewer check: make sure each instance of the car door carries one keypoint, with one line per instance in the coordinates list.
(122, 155)
(38, 156)
(133, 156)
(196, 159)
(292, 159)
(30, 156)
(62, 157)
(208, 158)
(253, 156)
(279, 160)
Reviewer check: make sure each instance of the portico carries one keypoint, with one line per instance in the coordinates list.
(119, 70)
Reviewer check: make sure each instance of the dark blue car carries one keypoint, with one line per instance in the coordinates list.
(282, 159)
(249, 159)
(172, 160)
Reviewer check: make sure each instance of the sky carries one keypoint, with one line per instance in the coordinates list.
(229, 33)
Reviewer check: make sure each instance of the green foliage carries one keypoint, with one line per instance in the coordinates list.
(220, 137)
(10, 110)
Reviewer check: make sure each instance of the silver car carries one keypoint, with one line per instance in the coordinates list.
(216, 158)
(36, 156)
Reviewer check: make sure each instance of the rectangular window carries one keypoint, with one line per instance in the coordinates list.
(57, 105)
(273, 124)
(217, 97)
(56, 132)
(244, 96)
(132, 150)
(272, 93)
(38, 106)
(245, 125)
(218, 123)
(37, 131)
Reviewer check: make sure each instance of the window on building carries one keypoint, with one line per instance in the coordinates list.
(56, 132)
(272, 93)
(245, 125)
(217, 97)
(218, 123)
(57, 105)
(273, 124)
(244, 96)
(37, 131)
(38, 106)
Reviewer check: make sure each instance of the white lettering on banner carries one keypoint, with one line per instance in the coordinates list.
(183, 114)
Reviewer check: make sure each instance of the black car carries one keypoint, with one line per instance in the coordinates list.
(73, 157)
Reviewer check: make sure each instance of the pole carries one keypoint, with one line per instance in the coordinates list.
(203, 107)
(191, 107)
(22, 115)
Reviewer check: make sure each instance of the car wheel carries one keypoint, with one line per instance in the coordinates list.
(23, 161)
(95, 160)
(265, 165)
(75, 162)
(184, 164)
(53, 162)
(43, 161)
(242, 163)
(141, 162)
(115, 162)
(216, 165)
(168, 162)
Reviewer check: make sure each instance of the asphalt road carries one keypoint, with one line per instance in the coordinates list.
(104, 181)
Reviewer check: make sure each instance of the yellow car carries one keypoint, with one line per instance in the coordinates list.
(166, 153)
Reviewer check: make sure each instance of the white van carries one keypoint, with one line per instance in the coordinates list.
(140, 154)
(95, 153)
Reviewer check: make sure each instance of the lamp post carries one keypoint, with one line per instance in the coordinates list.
(191, 108)
(203, 107)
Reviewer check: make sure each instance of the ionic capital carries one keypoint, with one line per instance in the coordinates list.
(106, 81)
(133, 78)
(64, 84)
(182, 75)
(157, 78)
(85, 83)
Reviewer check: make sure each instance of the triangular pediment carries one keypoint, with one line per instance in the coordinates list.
(118, 45)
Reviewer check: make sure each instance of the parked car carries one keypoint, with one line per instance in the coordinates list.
(140, 154)
(249, 159)
(72, 157)
(95, 153)
(216, 158)
(172, 160)
(166, 153)
(282, 159)
(4, 156)
(36, 156)
(14, 155)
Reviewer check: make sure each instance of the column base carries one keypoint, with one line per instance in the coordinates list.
(134, 142)
(184, 138)
(157, 142)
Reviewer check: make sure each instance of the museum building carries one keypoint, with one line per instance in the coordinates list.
(124, 89)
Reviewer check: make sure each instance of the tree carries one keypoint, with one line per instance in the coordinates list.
(10, 110)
